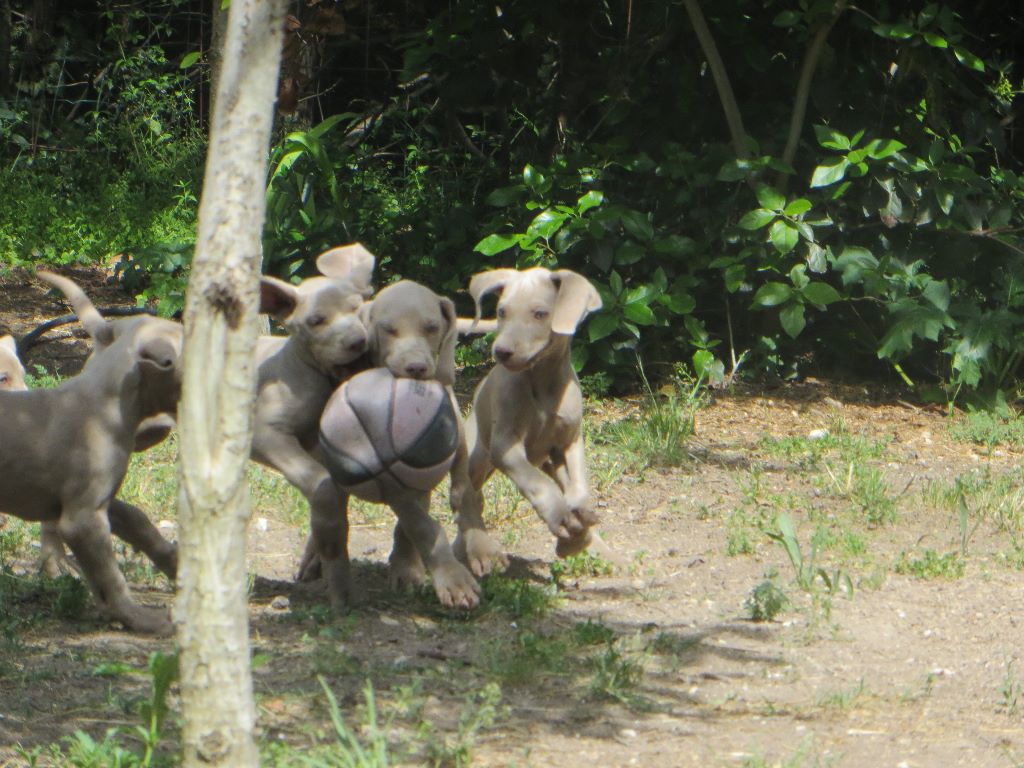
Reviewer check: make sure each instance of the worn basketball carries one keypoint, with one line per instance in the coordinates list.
(379, 433)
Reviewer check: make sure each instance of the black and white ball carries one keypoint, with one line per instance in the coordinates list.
(380, 433)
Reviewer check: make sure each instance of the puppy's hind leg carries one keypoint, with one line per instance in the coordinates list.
(131, 524)
(473, 545)
(87, 532)
(405, 566)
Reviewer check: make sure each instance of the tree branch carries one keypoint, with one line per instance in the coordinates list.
(803, 88)
(725, 94)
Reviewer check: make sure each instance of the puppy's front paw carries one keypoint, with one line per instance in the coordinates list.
(455, 586)
(405, 571)
(149, 621)
(479, 552)
(574, 545)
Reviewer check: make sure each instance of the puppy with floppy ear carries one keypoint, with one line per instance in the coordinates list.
(64, 451)
(412, 332)
(12, 374)
(326, 343)
(527, 412)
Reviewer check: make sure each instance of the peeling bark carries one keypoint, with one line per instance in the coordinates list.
(219, 387)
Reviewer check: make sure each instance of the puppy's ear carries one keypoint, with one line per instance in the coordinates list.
(100, 330)
(157, 354)
(7, 342)
(277, 298)
(576, 299)
(350, 262)
(493, 280)
(445, 371)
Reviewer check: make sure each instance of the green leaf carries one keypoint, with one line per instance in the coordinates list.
(830, 138)
(771, 295)
(879, 149)
(757, 218)
(900, 31)
(615, 283)
(783, 235)
(786, 19)
(708, 367)
(935, 41)
(680, 245)
(602, 325)
(639, 294)
(328, 123)
(629, 253)
(817, 258)
(821, 294)
(546, 223)
(679, 302)
(592, 199)
(853, 262)
(798, 277)
(824, 175)
(968, 59)
(911, 319)
(792, 319)
(641, 314)
(493, 244)
(770, 198)
(637, 224)
(937, 292)
(798, 207)
(735, 170)
(735, 277)
(189, 59)
(505, 196)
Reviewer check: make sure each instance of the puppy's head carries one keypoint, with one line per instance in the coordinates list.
(412, 332)
(534, 307)
(322, 313)
(155, 346)
(12, 374)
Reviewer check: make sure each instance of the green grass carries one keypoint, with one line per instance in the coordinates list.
(989, 429)
(658, 434)
(931, 565)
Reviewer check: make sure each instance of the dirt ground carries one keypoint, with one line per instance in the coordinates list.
(913, 669)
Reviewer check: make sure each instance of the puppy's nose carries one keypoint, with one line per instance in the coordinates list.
(502, 354)
(416, 370)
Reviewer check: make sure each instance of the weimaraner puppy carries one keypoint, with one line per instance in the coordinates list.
(297, 373)
(413, 333)
(64, 451)
(12, 374)
(527, 412)
(152, 431)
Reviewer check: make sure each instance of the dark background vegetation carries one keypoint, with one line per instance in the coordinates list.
(456, 136)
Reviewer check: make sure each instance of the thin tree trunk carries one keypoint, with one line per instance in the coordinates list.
(217, 34)
(219, 386)
(803, 89)
(733, 118)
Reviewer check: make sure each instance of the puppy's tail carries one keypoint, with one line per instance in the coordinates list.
(467, 326)
(100, 330)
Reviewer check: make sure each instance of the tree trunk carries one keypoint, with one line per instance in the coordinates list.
(217, 35)
(218, 390)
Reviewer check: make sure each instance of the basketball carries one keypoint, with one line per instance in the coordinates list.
(379, 433)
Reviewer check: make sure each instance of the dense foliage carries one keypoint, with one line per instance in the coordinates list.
(858, 209)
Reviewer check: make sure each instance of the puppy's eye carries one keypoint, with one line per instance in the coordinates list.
(390, 330)
(431, 328)
(540, 314)
(4, 378)
(501, 312)
(316, 321)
